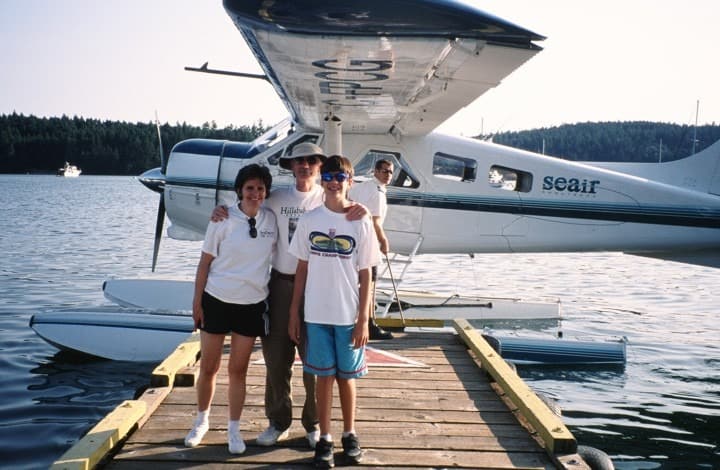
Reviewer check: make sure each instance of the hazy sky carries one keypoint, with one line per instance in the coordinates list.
(606, 60)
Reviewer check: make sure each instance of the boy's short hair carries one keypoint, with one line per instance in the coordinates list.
(337, 163)
(254, 171)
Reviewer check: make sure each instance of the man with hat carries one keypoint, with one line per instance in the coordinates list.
(288, 204)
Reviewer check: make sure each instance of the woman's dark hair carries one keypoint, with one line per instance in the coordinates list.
(252, 172)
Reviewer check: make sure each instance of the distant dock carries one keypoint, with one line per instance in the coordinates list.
(426, 403)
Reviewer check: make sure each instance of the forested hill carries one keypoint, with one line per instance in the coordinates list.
(29, 144)
(614, 141)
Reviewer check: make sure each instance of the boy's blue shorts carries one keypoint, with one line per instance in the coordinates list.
(330, 352)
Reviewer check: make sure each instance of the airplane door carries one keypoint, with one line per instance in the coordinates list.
(404, 219)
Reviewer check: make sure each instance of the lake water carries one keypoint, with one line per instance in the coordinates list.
(62, 238)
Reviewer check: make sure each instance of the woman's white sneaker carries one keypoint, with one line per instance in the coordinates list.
(196, 434)
(236, 445)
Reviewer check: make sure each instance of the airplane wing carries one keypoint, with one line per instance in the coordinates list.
(401, 66)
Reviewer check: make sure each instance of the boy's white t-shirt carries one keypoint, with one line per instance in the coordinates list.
(288, 204)
(240, 271)
(335, 249)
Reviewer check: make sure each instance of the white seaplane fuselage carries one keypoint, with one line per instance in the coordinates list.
(461, 195)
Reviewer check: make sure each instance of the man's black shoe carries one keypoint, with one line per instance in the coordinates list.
(351, 449)
(324, 454)
(378, 333)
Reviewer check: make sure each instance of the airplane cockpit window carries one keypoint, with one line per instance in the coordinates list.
(454, 168)
(509, 179)
(402, 177)
(287, 149)
(274, 135)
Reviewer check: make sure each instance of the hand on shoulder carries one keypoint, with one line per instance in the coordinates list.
(220, 213)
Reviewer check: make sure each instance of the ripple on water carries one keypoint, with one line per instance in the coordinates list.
(659, 411)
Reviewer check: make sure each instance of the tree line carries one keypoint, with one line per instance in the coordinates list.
(635, 141)
(30, 144)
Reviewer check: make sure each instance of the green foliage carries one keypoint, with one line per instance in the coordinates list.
(29, 144)
(613, 141)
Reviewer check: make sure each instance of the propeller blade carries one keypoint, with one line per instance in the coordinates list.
(158, 229)
(163, 163)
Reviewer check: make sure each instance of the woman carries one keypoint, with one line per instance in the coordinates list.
(231, 296)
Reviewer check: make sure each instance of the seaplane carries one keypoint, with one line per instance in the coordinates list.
(373, 80)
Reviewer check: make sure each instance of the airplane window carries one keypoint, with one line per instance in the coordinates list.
(454, 168)
(287, 149)
(275, 134)
(509, 179)
(402, 177)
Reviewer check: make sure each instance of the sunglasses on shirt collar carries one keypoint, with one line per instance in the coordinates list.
(339, 177)
(253, 230)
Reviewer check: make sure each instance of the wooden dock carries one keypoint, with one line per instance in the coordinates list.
(438, 409)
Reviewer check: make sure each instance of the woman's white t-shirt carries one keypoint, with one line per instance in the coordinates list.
(240, 271)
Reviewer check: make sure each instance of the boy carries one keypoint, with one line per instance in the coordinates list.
(334, 258)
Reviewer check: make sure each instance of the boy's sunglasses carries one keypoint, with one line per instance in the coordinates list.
(253, 230)
(339, 177)
(311, 160)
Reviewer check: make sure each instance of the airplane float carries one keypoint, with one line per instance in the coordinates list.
(373, 79)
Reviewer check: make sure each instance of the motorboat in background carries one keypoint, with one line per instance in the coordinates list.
(69, 171)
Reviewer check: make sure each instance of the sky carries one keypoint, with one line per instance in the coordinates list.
(608, 60)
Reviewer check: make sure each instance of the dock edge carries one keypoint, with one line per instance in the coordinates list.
(94, 446)
(549, 427)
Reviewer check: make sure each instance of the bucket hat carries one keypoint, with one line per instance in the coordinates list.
(305, 149)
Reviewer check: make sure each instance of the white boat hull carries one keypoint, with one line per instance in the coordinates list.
(114, 333)
(174, 295)
(159, 317)
(152, 294)
(422, 305)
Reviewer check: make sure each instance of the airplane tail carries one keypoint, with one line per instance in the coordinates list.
(699, 172)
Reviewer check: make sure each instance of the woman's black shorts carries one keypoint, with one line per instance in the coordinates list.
(221, 317)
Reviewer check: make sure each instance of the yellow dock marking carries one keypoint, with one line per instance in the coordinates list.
(549, 427)
(184, 355)
(93, 447)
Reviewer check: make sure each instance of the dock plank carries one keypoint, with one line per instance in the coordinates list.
(444, 414)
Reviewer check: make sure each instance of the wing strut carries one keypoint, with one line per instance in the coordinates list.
(333, 135)
(204, 69)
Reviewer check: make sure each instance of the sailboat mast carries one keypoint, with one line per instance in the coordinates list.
(697, 110)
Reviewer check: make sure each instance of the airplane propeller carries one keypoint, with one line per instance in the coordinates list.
(161, 206)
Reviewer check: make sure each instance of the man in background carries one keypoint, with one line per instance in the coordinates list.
(371, 194)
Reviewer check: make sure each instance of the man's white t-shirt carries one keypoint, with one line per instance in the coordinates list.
(335, 249)
(240, 272)
(371, 194)
(288, 204)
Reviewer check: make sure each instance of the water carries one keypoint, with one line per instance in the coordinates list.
(62, 238)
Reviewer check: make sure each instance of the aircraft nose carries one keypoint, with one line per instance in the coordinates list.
(153, 179)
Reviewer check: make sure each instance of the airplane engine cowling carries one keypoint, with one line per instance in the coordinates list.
(200, 175)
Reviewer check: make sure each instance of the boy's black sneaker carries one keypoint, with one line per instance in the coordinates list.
(324, 454)
(351, 449)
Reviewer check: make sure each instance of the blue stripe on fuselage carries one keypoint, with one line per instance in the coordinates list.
(661, 215)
